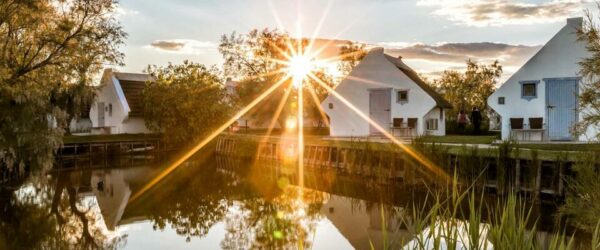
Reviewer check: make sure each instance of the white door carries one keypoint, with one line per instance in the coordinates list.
(380, 103)
(100, 114)
(561, 102)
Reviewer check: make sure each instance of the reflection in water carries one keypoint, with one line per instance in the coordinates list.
(207, 203)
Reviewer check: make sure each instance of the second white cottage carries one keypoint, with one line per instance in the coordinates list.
(389, 92)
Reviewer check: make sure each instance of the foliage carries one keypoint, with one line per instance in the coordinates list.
(589, 92)
(581, 203)
(254, 59)
(351, 54)
(51, 50)
(185, 102)
(465, 90)
(52, 215)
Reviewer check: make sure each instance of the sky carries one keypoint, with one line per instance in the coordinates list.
(430, 35)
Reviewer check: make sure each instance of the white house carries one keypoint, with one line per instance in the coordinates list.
(391, 94)
(539, 102)
(119, 108)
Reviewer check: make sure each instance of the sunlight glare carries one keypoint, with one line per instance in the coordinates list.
(299, 67)
(290, 123)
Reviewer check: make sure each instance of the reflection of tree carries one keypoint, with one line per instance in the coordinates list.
(286, 222)
(190, 201)
(37, 216)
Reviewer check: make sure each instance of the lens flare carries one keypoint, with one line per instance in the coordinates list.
(290, 123)
(299, 67)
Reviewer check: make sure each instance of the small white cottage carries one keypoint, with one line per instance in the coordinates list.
(539, 102)
(119, 107)
(392, 94)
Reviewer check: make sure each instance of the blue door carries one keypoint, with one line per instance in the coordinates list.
(561, 103)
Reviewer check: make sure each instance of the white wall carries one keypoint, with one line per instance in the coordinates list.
(118, 122)
(133, 125)
(558, 58)
(435, 114)
(374, 71)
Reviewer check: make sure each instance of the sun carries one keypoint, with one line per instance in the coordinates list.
(299, 66)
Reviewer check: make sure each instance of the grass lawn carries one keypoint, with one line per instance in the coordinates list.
(562, 147)
(71, 139)
(461, 139)
(277, 131)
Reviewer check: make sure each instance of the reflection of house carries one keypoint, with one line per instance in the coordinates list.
(113, 189)
(119, 107)
(392, 94)
(540, 100)
(361, 223)
(112, 194)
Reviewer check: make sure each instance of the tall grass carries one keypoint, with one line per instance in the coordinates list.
(582, 203)
(455, 219)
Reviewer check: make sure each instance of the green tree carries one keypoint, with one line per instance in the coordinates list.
(255, 60)
(185, 102)
(589, 92)
(50, 51)
(351, 54)
(465, 90)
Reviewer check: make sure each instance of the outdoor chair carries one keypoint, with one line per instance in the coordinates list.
(516, 123)
(536, 125)
(412, 125)
(398, 124)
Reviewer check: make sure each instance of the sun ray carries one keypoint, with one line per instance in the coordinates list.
(300, 130)
(319, 26)
(359, 79)
(318, 104)
(414, 154)
(275, 15)
(331, 40)
(206, 140)
(273, 121)
(274, 72)
(339, 57)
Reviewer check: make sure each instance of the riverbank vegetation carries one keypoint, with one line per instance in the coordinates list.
(51, 52)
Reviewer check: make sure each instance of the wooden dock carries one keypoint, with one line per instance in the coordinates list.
(520, 174)
(81, 150)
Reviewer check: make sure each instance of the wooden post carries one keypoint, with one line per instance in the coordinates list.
(517, 186)
(538, 179)
(561, 176)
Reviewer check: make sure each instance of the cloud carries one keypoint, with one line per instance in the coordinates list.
(122, 11)
(182, 46)
(503, 12)
(432, 59)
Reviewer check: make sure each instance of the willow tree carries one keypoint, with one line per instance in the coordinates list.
(50, 51)
(254, 59)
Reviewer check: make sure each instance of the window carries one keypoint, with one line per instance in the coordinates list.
(330, 105)
(529, 89)
(501, 100)
(110, 109)
(432, 124)
(402, 96)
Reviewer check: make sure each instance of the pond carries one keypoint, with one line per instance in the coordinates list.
(209, 202)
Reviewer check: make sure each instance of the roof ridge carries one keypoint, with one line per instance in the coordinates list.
(414, 76)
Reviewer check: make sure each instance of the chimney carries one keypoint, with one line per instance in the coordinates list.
(575, 22)
(377, 50)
